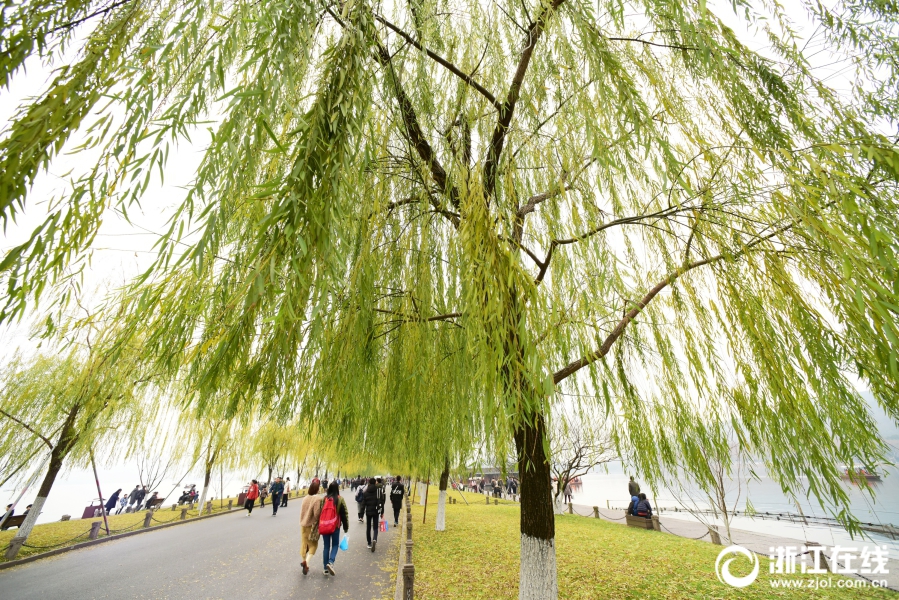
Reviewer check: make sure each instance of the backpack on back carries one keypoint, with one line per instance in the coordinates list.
(328, 521)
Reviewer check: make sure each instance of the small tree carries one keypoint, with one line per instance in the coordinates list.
(578, 446)
(714, 491)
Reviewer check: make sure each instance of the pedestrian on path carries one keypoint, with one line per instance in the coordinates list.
(309, 512)
(397, 491)
(332, 517)
(360, 502)
(252, 494)
(276, 489)
(286, 493)
(263, 494)
(374, 510)
(633, 488)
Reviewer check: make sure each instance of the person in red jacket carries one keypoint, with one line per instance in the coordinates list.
(252, 494)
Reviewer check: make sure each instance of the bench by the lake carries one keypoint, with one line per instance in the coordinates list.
(643, 523)
(14, 521)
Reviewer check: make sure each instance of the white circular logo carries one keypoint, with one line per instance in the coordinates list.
(722, 569)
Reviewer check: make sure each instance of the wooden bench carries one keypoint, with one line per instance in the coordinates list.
(155, 504)
(639, 522)
(14, 521)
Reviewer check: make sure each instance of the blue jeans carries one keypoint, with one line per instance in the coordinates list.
(331, 541)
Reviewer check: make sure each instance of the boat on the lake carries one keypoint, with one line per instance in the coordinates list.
(861, 472)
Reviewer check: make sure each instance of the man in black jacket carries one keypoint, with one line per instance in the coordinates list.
(276, 489)
(374, 509)
(397, 491)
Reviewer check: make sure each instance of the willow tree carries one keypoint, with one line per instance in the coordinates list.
(70, 405)
(618, 199)
(210, 439)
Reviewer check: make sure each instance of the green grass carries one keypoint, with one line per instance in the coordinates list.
(478, 557)
(49, 536)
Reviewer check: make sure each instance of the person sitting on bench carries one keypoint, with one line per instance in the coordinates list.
(632, 507)
(643, 507)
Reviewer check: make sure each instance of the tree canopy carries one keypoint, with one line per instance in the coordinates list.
(445, 214)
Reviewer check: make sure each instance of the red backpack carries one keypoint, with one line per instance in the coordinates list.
(328, 521)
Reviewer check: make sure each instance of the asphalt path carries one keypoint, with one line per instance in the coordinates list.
(230, 556)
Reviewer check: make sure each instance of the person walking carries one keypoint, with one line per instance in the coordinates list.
(132, 497)
(263, 494)
(374, 510)
(397, 491)
(633, 488)
(113, 500)
(276, 489)
(140, 497)
(360, 502)
(309, 513)
(252, 494)
(286, 493)
(332, 517)
(567, 491)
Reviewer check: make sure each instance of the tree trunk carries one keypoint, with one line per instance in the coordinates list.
(537, 574)
(67, 438)
(206, 480)
(269, 480)
(441, 502)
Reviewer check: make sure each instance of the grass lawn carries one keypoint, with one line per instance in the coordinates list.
(478, 557)
(49, 536)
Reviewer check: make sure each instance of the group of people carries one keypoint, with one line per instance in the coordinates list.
(324, 513)
(493, 487)
(134, 500)
(279, 490)
(639, 505)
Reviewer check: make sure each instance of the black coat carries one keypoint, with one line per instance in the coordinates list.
(113, 500)
(397, 491)
(373, 498)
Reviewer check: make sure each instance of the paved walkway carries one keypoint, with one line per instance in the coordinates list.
(757, 542)
(231, 556)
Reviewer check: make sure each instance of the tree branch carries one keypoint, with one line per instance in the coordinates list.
(629, 316)
(26, 426)
(445, 63)
(508, 108)
(410, 119)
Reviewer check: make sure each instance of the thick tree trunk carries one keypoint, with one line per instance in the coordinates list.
(537, 574)
(441, 502)
(67, 438)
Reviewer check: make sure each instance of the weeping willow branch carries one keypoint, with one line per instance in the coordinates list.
(616, 333)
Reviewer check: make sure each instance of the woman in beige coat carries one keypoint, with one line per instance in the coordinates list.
(309, 513)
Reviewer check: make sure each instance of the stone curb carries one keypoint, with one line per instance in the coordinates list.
(398, 591)
(111, 538)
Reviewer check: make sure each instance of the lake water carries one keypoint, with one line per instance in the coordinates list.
(766, 496)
